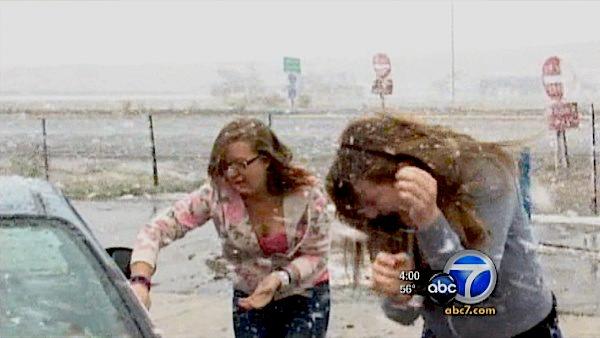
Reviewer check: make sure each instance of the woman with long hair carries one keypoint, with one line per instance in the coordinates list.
(424, 193)
(271, 220)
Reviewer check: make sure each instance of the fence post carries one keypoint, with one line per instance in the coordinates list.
(525, 179)
(45, 149)
(154, 167)
(594, 173)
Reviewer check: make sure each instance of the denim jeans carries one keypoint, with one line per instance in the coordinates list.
(294, 316)
(546, 328)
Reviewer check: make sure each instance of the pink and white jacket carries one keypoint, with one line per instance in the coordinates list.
(307, 230)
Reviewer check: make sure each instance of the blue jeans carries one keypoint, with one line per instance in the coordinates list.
(290, 317)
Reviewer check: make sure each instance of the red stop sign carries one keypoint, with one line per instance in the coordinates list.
(382, 65)
(551, 78)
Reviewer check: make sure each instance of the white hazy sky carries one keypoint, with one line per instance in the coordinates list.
(129, 33)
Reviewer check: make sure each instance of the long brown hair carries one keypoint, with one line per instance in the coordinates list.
(372, 147)
(282, 176)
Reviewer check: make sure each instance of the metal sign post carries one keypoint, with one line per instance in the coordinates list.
(383, 84)
(291, 66)
(561, 115)
(292, 89)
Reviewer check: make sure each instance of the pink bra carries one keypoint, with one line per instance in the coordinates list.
(275, 243)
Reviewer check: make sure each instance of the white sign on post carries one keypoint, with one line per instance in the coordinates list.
(383, 84)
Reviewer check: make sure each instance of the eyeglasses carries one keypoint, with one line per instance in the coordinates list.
(233, 168)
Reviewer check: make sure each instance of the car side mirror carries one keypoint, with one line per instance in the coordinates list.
(121, 256)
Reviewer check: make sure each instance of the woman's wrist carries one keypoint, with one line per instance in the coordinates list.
(141, 279)
(284, 277)
(435, 215)
(142, 268)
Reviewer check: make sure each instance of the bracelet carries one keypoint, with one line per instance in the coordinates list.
(141, 280)
(284, 277)
(289, 274)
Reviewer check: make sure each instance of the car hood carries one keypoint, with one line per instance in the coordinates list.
(35, 197)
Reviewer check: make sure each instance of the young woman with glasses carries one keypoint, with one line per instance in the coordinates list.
(271, 220)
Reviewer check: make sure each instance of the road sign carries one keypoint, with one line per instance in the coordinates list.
(293, 85)
(291, 65)
(383, 84)
(552, 78)
(382, 65)
(563, 115)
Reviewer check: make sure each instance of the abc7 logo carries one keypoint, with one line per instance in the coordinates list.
(469, 277)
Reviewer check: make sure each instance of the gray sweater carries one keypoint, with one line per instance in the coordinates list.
(521, 297)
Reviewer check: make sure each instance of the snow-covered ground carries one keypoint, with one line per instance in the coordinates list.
(190, 300)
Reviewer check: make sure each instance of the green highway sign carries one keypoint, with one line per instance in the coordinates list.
(291, 65)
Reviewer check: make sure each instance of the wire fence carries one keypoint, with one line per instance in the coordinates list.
(86, 153)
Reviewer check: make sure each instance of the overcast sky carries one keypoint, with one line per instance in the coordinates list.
(129, 33)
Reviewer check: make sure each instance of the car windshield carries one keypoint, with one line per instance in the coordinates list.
(51, 285)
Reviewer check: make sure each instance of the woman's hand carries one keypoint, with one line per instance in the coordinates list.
(417, 191)
(263, 294)
(142, 293)
(386, 274)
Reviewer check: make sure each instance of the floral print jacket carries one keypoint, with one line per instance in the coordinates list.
(307, 230)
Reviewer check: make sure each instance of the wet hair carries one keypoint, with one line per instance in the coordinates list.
(371, 149)
(282, 176)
